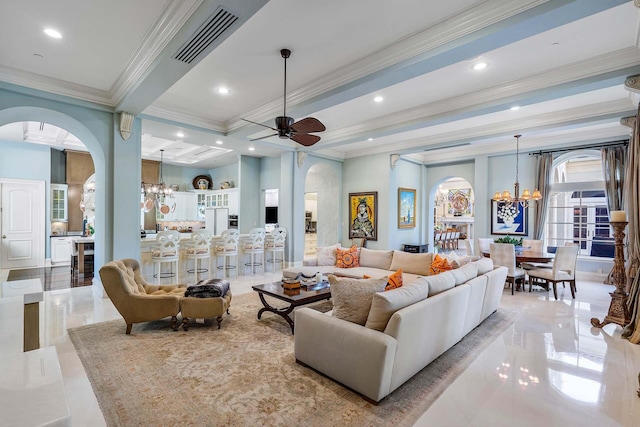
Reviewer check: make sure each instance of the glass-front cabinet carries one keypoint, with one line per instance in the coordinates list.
(59, 202)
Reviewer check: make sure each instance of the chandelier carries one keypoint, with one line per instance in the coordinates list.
(517, 200)
(157, 191)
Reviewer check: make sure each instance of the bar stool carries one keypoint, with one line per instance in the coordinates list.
(226, 247)
(166, 251)
(199, 249)
(254, 245)
(274, 242)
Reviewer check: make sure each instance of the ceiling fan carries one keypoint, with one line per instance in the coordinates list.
(299, 131)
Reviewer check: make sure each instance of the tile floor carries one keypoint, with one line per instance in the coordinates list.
(548, 369)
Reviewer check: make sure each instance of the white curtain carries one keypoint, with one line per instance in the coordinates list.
(543, 183)
(632, 195)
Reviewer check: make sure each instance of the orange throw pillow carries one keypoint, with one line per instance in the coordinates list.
(439, 265)
(394, 281)
(347, 258)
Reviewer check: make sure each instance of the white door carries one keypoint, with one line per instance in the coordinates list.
(22, 223)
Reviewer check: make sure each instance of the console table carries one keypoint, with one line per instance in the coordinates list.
(415, 247)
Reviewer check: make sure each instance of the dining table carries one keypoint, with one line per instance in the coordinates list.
(528, 255)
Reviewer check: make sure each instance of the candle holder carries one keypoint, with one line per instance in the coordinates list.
(618, 311)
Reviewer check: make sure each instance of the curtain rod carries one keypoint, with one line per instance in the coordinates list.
(618, 143)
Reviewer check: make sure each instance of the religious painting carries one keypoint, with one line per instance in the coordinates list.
(363, 215)
(406, 208)
(509, 219)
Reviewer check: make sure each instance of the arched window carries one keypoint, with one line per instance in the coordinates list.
(577, 211)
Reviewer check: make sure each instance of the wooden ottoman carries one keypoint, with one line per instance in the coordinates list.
(204, 308)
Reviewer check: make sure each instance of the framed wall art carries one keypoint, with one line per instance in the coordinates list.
(509, 220)
(406, 208)
(363, 215)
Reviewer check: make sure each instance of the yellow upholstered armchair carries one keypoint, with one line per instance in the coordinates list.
(136, 300)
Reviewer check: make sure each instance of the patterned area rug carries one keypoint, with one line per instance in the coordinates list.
(245, 374)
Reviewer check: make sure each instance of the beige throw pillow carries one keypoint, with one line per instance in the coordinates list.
(327, 254)
(352, 297)
(376, 258)
(439, 282)
(384, 304)
(484, 264)
(465, 273)
(412, 263)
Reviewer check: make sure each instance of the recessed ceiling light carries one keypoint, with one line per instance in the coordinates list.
(252, 149)
(180, 135)
(370, 139)
(480, 66)
(219, 142)
(52, 33)
(223, 91)
(515, 107)
(378, 99)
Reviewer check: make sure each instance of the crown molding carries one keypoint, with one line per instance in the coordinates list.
(187, 119)
(592, 67)
(552, 119)
(55, 86)
(463, 24)
(171, 19)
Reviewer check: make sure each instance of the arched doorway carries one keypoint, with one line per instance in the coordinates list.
(89, 139)
(453, 202)
(322, 207)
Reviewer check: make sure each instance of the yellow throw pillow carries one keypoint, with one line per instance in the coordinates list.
(347, 258)
(395, 281)
(439, 265)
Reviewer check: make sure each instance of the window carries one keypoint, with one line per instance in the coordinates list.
(577, 211)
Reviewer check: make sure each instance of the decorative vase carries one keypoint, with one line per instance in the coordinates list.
(508, 222)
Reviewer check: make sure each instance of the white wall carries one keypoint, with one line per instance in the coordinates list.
(406, 174)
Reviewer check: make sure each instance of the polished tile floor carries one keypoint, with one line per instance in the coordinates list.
(550, 368)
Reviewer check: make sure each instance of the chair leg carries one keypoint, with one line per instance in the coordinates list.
(572, 286)
(555, 290)
(129, 325)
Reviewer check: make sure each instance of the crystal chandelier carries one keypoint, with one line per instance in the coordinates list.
(516, 200)
(157, 191)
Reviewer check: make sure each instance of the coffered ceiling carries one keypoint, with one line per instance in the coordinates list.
(562, 62)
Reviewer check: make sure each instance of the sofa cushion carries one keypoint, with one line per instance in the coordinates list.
(438, 283)
(347, 258)
(384, 304)
(457, 263)
(376, 258)
(464, 273)
(439, 265)
(352, 297)
(484, 264)
(412, 263)
(395, 281)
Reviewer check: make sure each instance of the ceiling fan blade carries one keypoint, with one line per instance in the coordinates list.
(310, 124)
(263, 137)
(305, 139)
(259, 124)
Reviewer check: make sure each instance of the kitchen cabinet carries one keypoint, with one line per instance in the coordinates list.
(185, 208)
(227, 198)
(59, 202)
(61, 250)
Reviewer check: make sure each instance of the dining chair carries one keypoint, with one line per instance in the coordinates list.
(536, 246)
(166, 251)
(198, 248)
(468, 247)
(254, 245)
(226, 246)
(274, 244)
(504, 254)
(563, 270)
(484, 245)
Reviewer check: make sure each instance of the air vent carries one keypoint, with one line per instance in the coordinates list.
(209, 32)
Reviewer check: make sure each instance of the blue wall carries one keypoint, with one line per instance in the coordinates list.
(183, 176)
(225, 173)
(249, 188)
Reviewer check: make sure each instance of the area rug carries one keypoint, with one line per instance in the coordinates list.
(245, 374)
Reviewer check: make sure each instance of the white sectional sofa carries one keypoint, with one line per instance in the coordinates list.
(435, 312)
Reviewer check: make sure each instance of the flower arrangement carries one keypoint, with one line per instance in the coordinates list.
(507, 213)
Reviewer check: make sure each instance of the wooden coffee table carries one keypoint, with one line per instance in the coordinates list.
(294, 298)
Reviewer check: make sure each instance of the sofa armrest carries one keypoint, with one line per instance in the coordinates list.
(311, 262)
(358, 357)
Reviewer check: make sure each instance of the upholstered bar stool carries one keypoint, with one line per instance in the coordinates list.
(274, 244)
(254, 245)
(226, 247)
(199, 249)
(166, 251)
